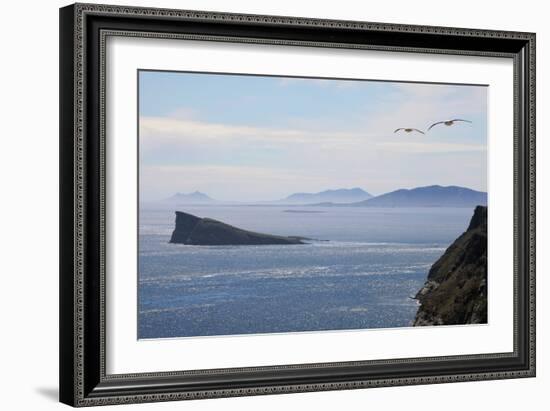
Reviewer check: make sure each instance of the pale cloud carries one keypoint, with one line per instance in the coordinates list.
(170, 129)
(176, 132)
(184, 113)
(413, 147)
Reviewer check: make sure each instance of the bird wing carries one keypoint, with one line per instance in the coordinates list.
(396, 130)
(420, 131)
(435, 124)
(460, 119)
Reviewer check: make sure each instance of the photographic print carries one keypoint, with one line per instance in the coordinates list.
(273, 204)
(309, 196)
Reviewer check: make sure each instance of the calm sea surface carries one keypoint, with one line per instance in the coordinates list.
(362, 277)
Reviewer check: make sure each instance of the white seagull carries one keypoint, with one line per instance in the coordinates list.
(448, 122)
(409, 130)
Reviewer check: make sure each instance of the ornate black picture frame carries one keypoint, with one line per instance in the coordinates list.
(83, 31)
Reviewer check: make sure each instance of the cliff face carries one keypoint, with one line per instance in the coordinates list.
(456, 289)
(194, 230)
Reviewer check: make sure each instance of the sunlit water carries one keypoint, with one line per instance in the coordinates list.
(363, 277)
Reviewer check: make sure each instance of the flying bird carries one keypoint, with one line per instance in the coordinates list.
(409, 130)
(448, 122)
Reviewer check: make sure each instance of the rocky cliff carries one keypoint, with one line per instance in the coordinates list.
(193, 230)
(456, 289)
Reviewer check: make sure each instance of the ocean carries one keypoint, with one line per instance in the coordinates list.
(375, 259)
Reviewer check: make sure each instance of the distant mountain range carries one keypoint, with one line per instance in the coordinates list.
(430, 196)
(342, 195)
(192, 198)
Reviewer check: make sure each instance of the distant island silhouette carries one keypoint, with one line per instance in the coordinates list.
(428, 196)
(195, 197)
(340, 195)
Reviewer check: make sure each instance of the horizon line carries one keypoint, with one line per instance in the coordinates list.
(313, 193)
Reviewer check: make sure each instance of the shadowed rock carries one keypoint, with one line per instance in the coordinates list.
(193, 230)
(456, 289)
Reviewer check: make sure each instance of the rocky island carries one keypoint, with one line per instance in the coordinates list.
(456, 289)
(193, 230)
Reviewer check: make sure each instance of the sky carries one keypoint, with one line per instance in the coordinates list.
(258, 138)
